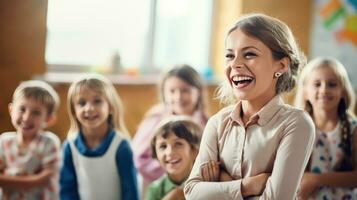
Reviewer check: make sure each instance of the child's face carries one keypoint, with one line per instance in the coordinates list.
(91, 110)
(180, 96)
(250, 67)
(176, 156)
(323, 90)
(28, 116)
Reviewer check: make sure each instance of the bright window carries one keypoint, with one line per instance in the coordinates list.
(147, 34)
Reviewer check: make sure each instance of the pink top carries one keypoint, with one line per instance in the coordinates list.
(43, 152)
(148, 167)
(277, 140)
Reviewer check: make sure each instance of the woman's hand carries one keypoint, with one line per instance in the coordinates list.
(224, 175)
(307, 185)
(209, 171)
(255, 185)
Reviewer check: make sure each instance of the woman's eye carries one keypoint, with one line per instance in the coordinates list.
(249, 55)
(229, 56)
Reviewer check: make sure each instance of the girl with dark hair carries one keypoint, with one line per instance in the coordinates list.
(181, 93)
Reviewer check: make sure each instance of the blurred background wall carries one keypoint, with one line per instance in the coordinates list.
(23, 41)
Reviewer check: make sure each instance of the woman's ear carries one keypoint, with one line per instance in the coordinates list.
(284, 64)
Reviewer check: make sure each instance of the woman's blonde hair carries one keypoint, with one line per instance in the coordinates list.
(277, 36)
(346, 105)
(103, 86)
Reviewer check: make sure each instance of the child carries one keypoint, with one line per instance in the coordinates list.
(175, 145)
(97, 159)
(259, 146)
(29, 157)
(325, 92)
(182, 93)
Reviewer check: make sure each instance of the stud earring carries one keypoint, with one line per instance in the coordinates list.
(277, 74)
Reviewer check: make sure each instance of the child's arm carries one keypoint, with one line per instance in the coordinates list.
(311, 181)
(27, 181)
(68, 177)
(127, 171)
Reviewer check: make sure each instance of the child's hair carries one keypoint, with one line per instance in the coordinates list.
(39, 91)
(277, 36)
(103, 86)
(345, 107)
(182, 126)
(190, 76)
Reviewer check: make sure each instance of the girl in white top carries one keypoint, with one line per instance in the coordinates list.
(97, 157)
(258, 147)
(325, 92)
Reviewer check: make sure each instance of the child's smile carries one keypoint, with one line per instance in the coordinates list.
(91, 109)
(28, 116)
(175, 156)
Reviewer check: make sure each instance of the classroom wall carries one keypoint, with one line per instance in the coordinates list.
(22, 43)
(23, 37)
(295, 13)
(137, 99)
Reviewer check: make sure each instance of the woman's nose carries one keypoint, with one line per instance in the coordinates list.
(236, 63)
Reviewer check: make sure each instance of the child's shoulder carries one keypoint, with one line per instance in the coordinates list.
(6, 136)
(157, 185)
(156, 110)
(49, 136)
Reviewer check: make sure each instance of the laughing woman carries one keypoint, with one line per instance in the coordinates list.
(257, 148)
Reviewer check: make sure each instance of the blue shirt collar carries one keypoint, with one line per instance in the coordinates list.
(99, 150)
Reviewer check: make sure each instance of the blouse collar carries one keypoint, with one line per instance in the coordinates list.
(263, 116)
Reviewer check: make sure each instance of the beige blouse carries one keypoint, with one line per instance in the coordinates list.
(277, 140)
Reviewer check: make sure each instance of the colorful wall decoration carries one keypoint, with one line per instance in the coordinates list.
(334, 33)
